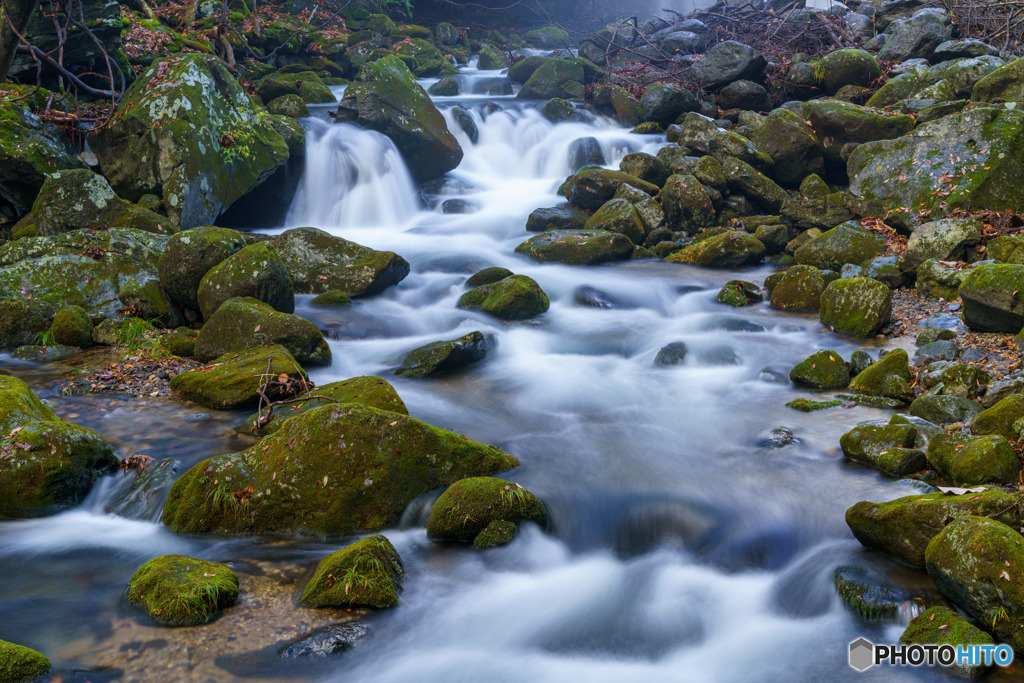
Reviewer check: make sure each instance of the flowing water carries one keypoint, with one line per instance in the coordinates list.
(682, 545)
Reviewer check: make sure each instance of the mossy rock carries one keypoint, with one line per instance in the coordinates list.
(993, 297)
(792, 145)
(79, 198)
(497, 533)
(120, 331)
(178, 344)
(245, 323)
(20, 664)
(517, 297)
(577, 247)
(738, 293)
(72, 326)
(726, 250)
(890, 377)
(177, 590)
(357, 470)
(187, 131)
(189, 255)
(488, 276)
(847, 67)
(591, 188)
(956, 379)
(903, 527)
(253, 271)
(290, 105)
(866, 595)
(490, 59)
(943, 626)
(445, 357)
(232, 380)
(886, 448)
(469, 506)
(146, 299)
(686, 205)
(845, 243)
(859, 307)
(1006, 249)
(944, 409)
(546, 37)
(331, 299)
(808, 406)
(446, 87)
(969, 561)
(21, 321)
(824, 369)
(367, 573)
(1000, 418)
(841, 125)
(521, 71)
(798, 289)
(1005, 84)
(368, 391)
(554, 78)
(618, 215)
(319, 262)
(972, 460)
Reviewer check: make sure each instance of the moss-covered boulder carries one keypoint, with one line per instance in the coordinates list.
(290, 105)
(842, 126)
(368, 391)
(577, 247)
(1000, 418)
(48, 464)
(791, 143)
(20, 664)
(146, 299)
(253, 271)
(554, 78)
(319, 262)
(646, 167)
(903, 527)
(943, 626)
(387, 98)
(22, 321)
(887, 448)
(993, 297)
(730, 249)
(469, 506)
(798, 289)
(245, 323)
(824, 369)
(79, 198)
(747, 180)
(977, 562)
(555, 218)
(189, 255)
(1005, 84)
(890, 377)
(357, 470)
(367, 573)
(955, 379)
(666, 102)
(618, 215)
(944, 240)
(941, 409)
(1006, 249)
(72, 326)
(859, 307)
(971, 460)
(516, 297)
(81, 267)
(845, 243)
(899, 177)
(177, 590)
(686, 205)
(186, 130)
(444, 357)
(591, 188)
(739, 293)
(490, 59)
(847, 67)
(233, 380)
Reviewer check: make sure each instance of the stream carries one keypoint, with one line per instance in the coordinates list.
(684, 545)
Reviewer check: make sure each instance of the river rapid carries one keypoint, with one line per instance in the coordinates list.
(684, 543)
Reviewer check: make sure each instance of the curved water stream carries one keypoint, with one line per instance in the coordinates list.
(681, 547)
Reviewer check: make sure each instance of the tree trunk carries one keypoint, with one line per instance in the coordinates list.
(13, 21)
(147, 10)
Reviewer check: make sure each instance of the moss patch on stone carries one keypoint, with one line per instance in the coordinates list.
(21, 664)
(177, 590)
(232, 380)
(367, 573)
(468, 507)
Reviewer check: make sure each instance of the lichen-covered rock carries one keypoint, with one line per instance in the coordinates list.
(177, 590)
(993, 298)
(78, 198)
(971, 460)
(468, 506)
(253, 271)
(48, 464)
(890, 377)
(745, 95)
(357, 470)
(898, 177)
(824, 369)
(72, 326)
(943, 626)
(618, 215)
(21, 321)
(842, 126)
(20, 664)
(81, 267)
(1000, 418)
(318, 262)
(1006, 249)
(443, 357)
(726, 143)
(387, 98)
(245, 323)
(368, 391)
(955, 379)
(940, 279)
(516, 297)
(791, 143)
(367, 573)
(944, 240)
(730, 249)
(591, 188)
(189, 255)
(686, 205)
(798, 289)
(646, 167)
(858, 307)
(903, 527)
(887, 448)
(845, 243)
(186, 130)
(232, 380)
(577, 247)
(976, 562)
(290, 105)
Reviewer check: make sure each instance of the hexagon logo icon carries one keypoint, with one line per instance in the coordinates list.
(862, 654)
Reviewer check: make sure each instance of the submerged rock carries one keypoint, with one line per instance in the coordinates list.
(177, 590)
(367, 573)
(325, 641)
(444, 357)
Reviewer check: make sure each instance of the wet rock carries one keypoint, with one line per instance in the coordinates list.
(997, 391)
(78, 198)
(19, 663)
(968, 461)
(444, 357)
(367, 573)
(591, 188)
(72, 326)
(326, 641)
(469, 506)
(1000, 418)
(254, 271)
(936, 351)
(488, 276)
(318, 262)
(245, 323)
(780, 437)
(585, 152)
(725, 250)
(943, 626)
(189, 255)
(290, 105)
(687, 207)
(903, 527)
(944, 409)
(554, 78)
(858, 307)
(232, 380)
(517, 297)
(955, 379)
(860, 360)
(890, 377)
(991, 298)
(619, 216)
(866, 594)
(792, 145)
(740, 293)
(665, 102)
(886, 448)
(726, 62)
(177, 590)
(357, 470)
(646, 167)
(821, 370)
(595, 298)
(845, 243)
(798, 289)
(577, 247)
(747, 180)
(671, 354)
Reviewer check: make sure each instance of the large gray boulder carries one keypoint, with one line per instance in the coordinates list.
(727, 62)
(79, 198)
(944, 240)
(915, 37)
(319, 262)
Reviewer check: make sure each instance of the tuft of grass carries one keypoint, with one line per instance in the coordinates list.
(44, 339)
(177, 590)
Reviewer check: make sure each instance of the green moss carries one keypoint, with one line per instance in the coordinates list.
(19, 663)
(320, 262)
(245, 323)
(189, 255)
(22, 321)
(888, 448)
(738, 293)
(177, 344)
(367, 573)
(577, 247)
(941, 626)
(554, 78)
(618, 215)
(999, 419)
(516, 297)
(290, 105)
(334, 470)
(845, 243)
(497, 533)
(809, 406)
(890, 377)
(468, 506)
(368, 391)
(177, 590)
(730, 249)
(859, 306)
(488, 276)
(72, 326)
(439, 358)
(971, 460)
(331, 299)
(253, 271)
(993, 298)
(824, 369)
(797, 289)
(232, 380)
